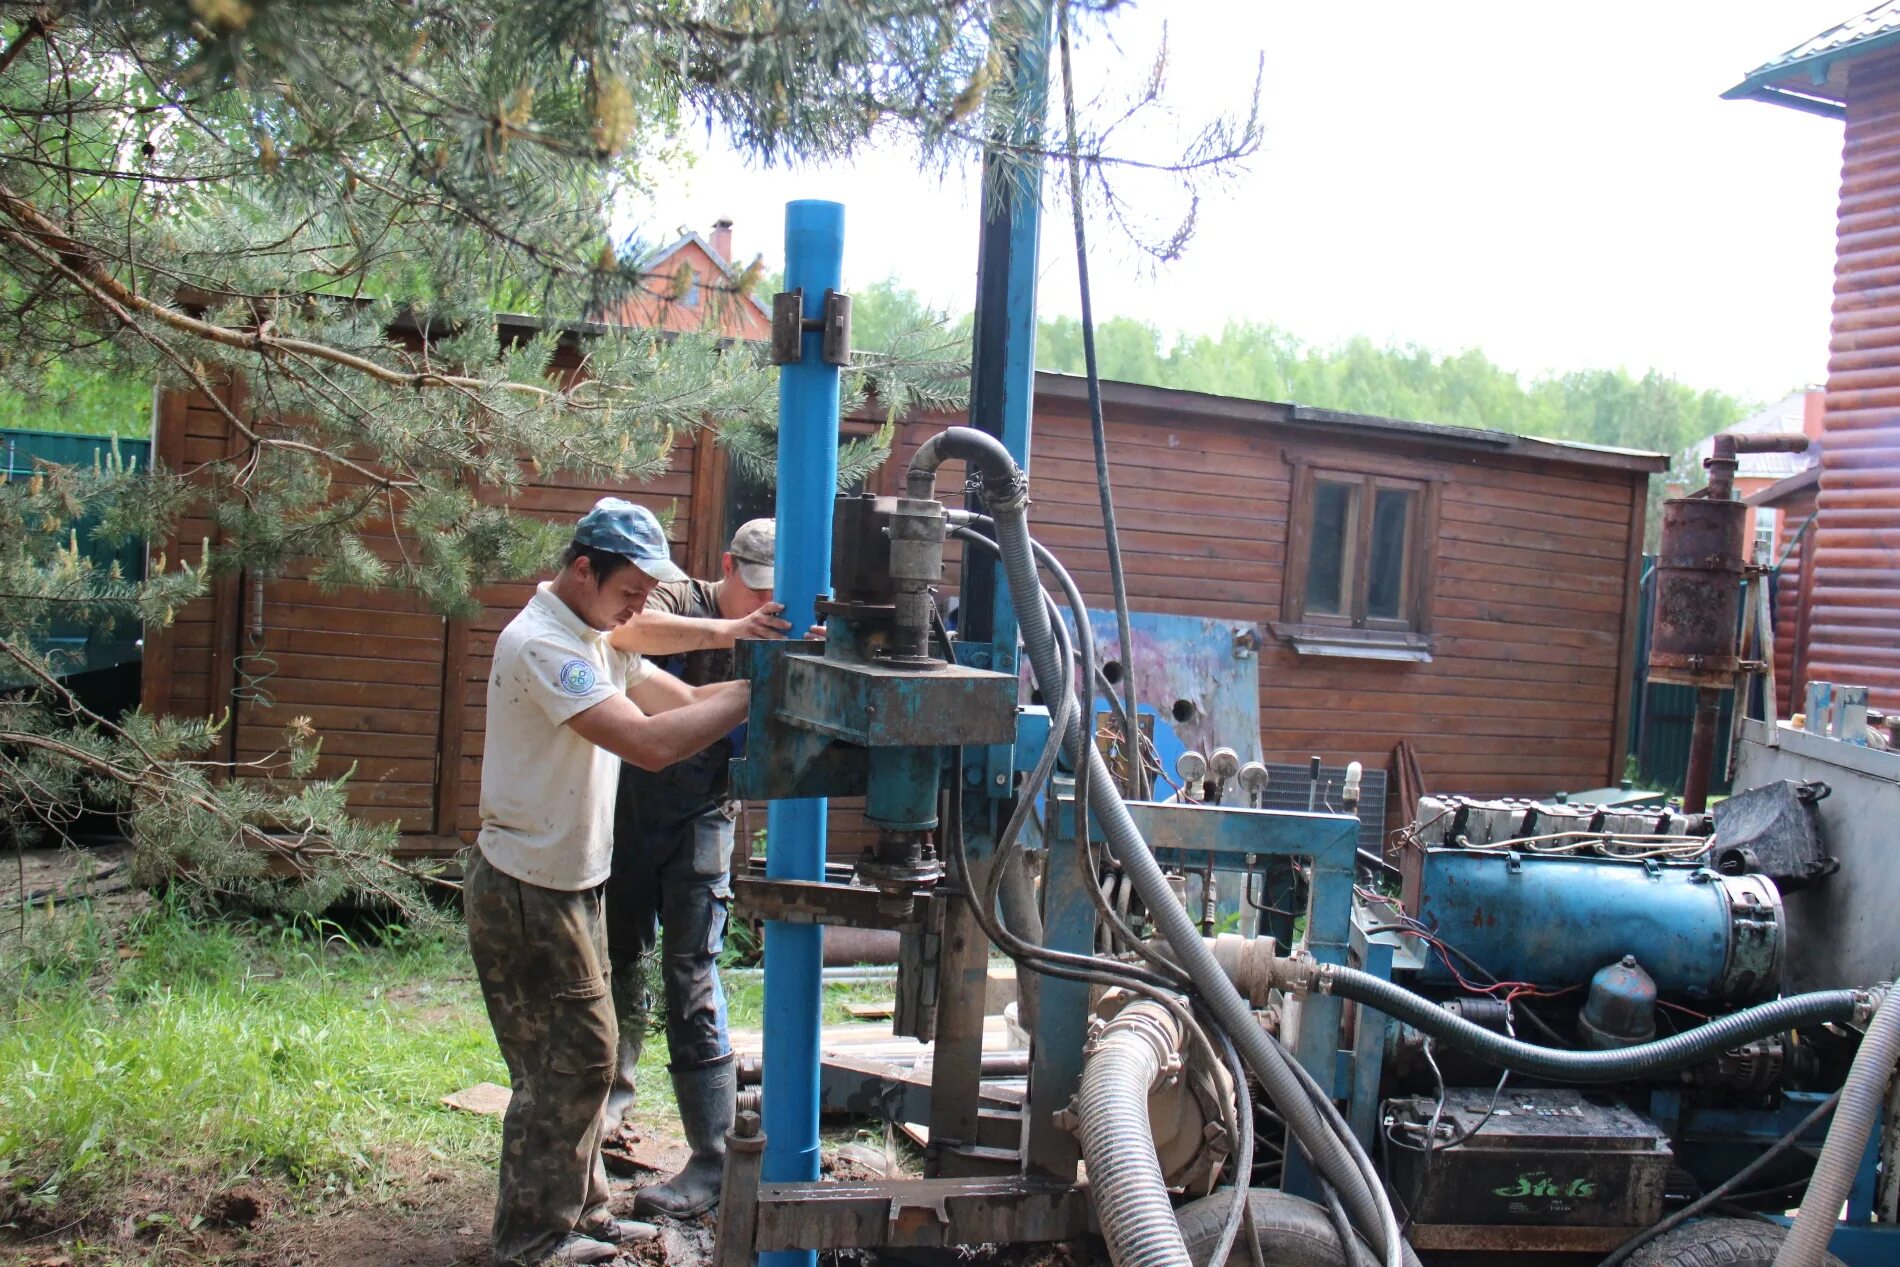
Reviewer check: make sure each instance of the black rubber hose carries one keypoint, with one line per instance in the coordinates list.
(1716, 1195)
(1007, 491)
(1098, 430)
(1678, 1051)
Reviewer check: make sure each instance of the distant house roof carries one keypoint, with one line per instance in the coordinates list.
(1784, 417)
(690, 238)
(1812, 76)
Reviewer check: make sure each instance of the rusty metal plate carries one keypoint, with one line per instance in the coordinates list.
(876, 705)
(919, 1213)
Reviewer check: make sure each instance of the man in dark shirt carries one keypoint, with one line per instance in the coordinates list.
(673, 832)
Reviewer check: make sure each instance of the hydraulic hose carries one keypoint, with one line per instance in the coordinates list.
(1854, 1119)
(1666, 1055)
(1023, 918)
(1007, 492)
(1126, 1061)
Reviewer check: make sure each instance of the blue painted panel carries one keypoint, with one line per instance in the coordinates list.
(1557, 920)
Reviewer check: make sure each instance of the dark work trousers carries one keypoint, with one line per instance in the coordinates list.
(672, 884)
(541, 955)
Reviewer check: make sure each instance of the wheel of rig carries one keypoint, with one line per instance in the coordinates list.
(1293, 1232)
(1717, 1243)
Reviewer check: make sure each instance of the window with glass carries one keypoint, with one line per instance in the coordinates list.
(1358, 550)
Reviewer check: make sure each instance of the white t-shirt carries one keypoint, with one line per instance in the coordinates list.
(548, 794)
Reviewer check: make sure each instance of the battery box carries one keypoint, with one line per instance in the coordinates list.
(1540, 1158)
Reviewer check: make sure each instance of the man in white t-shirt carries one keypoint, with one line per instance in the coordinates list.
(565, 708)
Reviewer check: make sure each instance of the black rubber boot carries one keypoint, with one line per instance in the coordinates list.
(620, 1095)
(707, 1098)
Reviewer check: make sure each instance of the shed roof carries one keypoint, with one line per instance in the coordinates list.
(1790, 489)
(1812, 76)
(1470, 442)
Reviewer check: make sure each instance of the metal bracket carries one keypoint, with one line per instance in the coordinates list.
(789, 325)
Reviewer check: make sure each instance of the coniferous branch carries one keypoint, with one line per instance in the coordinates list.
(310, 215)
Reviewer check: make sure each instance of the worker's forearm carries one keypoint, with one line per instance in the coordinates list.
(657, 741)
(663, 633)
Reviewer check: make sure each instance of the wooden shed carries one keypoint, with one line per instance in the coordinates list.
(1471, 591)
(1848, 627)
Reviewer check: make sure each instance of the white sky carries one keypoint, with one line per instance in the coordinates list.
(1557, 185)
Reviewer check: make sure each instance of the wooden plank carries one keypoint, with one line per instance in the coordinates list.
(706, 525)
(392, 648)
(348, 664)
(1626, 658)
(159, 654)
(416, 628)
(350, 715)
(453, 720)
(304, 694)
(1281, 702)
(227, 611)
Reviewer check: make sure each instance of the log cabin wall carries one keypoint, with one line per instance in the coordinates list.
(1520, 567)
(1853, 617)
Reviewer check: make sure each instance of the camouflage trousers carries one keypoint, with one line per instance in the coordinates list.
(671, 875)
(541, 956)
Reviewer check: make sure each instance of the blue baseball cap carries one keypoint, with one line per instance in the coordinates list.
(620, 527)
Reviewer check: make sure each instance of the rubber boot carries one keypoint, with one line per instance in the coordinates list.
(707, 1098)
(620, 1095)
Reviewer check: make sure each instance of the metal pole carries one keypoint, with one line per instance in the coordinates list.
(795, 830)
(1695, 783)
(1002, 397)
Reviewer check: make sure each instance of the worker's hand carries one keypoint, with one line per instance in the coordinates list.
(815, 634)
(764, 623)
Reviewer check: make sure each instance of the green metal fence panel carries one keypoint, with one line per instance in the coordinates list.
(92, 645)
(1662, 715)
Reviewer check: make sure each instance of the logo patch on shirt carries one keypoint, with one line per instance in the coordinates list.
(577, 677)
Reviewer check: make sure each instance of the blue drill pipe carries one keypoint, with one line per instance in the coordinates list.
(795, 830)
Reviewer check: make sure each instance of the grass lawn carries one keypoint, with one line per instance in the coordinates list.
(150, 1069)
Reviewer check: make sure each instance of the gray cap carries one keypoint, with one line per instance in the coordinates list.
(753, 549)
(621, 527)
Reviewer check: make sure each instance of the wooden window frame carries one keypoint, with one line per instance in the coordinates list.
(1355, 632)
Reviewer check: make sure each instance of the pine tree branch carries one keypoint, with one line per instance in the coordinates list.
(35, 28)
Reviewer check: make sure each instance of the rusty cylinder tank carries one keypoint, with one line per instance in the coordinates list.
(1694, 637)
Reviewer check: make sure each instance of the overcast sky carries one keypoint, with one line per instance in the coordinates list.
(1560, 186)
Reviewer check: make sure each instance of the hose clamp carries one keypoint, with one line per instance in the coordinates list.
(1007, 494)
(1867, 1002)
(1325, 976)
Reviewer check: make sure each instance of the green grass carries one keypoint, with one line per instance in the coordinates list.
(232, 1049)
(286, 1051)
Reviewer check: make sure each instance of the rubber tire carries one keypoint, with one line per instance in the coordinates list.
(1294, 1232)
(1717, 1243)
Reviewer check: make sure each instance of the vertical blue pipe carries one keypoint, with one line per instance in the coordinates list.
(795, 830)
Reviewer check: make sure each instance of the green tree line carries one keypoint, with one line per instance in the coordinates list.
(1262, 361)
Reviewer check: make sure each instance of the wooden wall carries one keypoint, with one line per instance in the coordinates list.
(1853, 623)
(1793, 590)
(1533, 599)
(1532, 605)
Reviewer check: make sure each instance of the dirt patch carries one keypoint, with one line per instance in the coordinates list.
(420, 1212)
(98, 874)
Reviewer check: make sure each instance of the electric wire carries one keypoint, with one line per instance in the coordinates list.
(1721, 1192)
(1097, 426)
(1318, 1126)
(1083, 650)
(1243, 1154)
